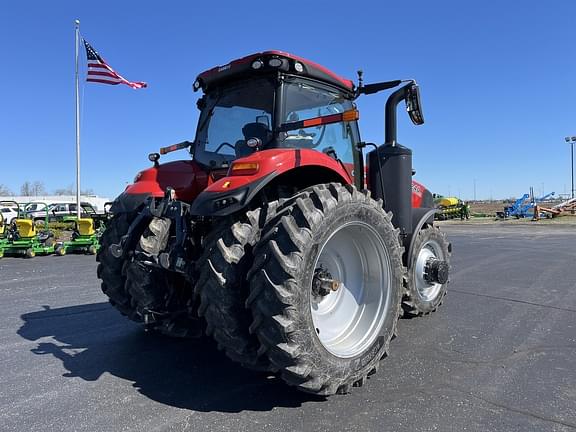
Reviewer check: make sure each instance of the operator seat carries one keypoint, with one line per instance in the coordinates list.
(85, 226)
(26, 228)
(252, 130)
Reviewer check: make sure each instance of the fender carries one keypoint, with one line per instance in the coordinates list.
(421, 197)
(420, 217)
(186, 177)
(233, 192)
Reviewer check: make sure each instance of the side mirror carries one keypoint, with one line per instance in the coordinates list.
(413, 104)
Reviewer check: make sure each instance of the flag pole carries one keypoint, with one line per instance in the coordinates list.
(77, 27)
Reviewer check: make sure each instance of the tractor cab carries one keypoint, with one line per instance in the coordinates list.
(274, 100)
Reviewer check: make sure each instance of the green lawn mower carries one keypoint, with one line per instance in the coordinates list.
(7, 230)
(86, 233)
(84, 239)
(3, 235)
(23, 239)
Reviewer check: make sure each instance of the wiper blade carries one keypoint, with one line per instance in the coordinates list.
(209, 114)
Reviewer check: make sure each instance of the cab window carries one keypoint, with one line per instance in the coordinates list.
(303, 101)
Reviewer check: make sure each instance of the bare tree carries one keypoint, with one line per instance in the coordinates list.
(32, 189)
(71, 190)
(65, 191)
(26, 188)
(4, 191)
(38, 188)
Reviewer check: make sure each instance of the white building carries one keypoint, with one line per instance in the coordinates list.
(96, 201)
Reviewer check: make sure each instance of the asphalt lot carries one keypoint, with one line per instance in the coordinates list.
(500, 354)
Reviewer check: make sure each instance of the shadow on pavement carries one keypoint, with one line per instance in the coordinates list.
(93, 339)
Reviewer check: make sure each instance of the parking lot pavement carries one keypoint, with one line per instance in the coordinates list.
(500, 354)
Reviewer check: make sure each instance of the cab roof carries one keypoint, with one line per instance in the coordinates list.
(266, 62)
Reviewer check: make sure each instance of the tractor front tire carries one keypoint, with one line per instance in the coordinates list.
(223, 289)
(326, 288)
(423, 296)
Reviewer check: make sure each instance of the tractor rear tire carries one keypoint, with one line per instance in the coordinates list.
(110, 268)
(223, 289)
(326, 288)
(423, 297)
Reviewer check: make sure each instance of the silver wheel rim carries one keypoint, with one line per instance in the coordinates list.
(426, 290)
(348, 320)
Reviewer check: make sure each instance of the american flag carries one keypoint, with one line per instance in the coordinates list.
(100, 72)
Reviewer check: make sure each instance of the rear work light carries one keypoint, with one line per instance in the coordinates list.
(275, 62)
(244, 168)
(257, 64)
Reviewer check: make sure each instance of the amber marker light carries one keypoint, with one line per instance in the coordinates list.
(244, 168)
(350, 115)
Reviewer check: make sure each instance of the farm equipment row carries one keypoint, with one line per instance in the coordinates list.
(28, 235)
(525, 206)
(451, 208)
(555, 211)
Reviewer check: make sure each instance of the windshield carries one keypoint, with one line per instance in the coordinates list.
(229, 117)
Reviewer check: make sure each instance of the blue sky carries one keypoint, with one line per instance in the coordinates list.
(497, 80)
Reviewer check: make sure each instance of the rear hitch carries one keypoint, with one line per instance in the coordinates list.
(151, 210)
(160, 247)
(175, 258)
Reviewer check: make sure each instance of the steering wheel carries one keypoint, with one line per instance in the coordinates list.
(312, 143)
(224, 144)
(321, 137)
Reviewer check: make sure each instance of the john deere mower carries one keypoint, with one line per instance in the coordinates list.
(3, 235)
(25, 240)
(274, 239)
(86, 233)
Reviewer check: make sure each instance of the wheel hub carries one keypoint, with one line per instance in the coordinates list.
(430, 270)
(436, 271)
(323, 283)
(350, 289)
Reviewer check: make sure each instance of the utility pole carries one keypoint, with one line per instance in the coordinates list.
(77, 36)
(474, 189)
(571, 141)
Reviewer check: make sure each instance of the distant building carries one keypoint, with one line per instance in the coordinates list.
(96, 201)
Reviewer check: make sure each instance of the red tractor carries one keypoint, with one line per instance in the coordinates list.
(276, 239)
